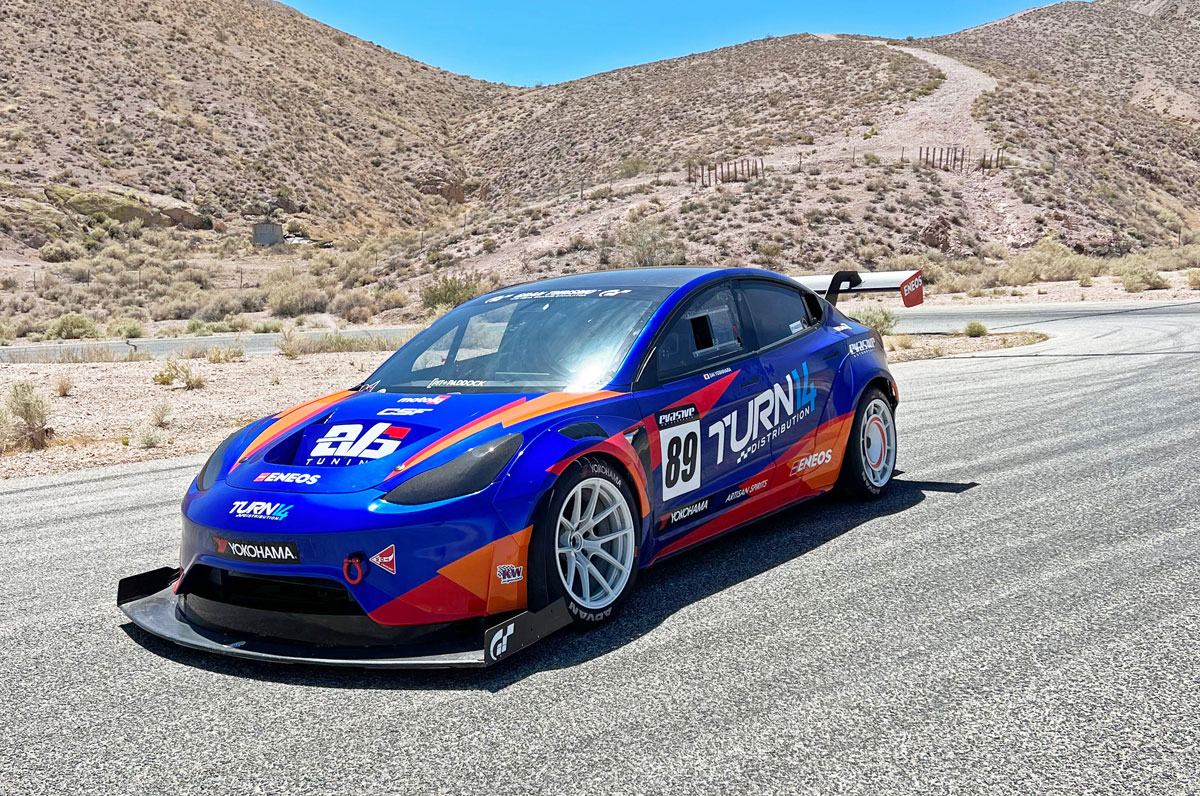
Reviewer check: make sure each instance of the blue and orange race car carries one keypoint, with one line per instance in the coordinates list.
(513, 466)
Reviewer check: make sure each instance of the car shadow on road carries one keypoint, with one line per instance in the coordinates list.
(661, 591)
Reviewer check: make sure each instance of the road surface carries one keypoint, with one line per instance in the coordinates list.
(1018, 615)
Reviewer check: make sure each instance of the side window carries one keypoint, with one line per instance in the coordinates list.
(705, 332)
(777, 311)
(484, 333)
(435, 355)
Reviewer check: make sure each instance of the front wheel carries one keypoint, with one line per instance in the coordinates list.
(586, 545)
(871, 449)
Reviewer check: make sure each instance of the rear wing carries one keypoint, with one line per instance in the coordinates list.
(910, 284)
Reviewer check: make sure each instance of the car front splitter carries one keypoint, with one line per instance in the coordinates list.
(150, 602)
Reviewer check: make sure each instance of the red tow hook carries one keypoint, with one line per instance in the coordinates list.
(353, 562)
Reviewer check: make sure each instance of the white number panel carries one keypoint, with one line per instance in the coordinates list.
(679, 436)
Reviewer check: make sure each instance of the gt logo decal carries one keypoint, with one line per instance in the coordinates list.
(499, 644)
(679, 436)
(349, 441)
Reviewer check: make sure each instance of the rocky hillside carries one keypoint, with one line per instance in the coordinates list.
(1099, 104)
(731, 103)
(225, 106)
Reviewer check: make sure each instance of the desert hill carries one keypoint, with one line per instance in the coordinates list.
(226, 105)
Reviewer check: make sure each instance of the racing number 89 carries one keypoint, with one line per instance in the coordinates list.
(681, 460)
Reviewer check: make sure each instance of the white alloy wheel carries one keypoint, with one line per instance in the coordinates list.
(595, 543)
(878, 442)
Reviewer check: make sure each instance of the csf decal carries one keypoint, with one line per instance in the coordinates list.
(679, 438)
(912, 290)
(347, 444)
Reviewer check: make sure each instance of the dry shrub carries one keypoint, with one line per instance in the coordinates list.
(1193, 278)
(881, 319)
(148, 437)
(125, 328)
(451, 291)
(223, 354)
(975, 329)
(1137, 276)
(72, 326)
(175, 371)
(356, 303)
(30, 414)
(63, 385)
(290, 295)
(160, 414)
(646, 245)
(291, 344)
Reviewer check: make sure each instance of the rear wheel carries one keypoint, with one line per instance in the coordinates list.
(586, 546)
(871, 449)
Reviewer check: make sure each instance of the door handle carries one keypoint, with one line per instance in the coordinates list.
(748, 382)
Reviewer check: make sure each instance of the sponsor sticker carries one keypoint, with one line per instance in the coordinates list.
(689, 511)
(352, 443)
(818, 459)
(746, 491)
(260, 510)
(864, 346)
(404, 411)
(768, 415)
(510, 573)
(288, 478)
(422, 399)
(457, 383)
(385, 559)
(270, 552)
(679, 438)
(716, 374)
(912, 290)
(499, 643)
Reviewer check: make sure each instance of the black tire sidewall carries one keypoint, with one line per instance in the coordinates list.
(548, 587)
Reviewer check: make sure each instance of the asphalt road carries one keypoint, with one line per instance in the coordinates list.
(1018, 615)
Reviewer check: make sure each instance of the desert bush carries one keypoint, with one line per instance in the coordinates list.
(63, 385)
(289, 296)
(975, 329)
(57, 251)
(148, 437)
(268, 327)
(192, 351)
(175, 371)
(645, 245)
(489, 245)
(292, 345)
(30, 414)
(1051, 261)
(357, 301)
(72, 326)
(452, 290)
(224, 354)
(881, 319)
(1137, 275)
(125, 328)
(160, 414)
(1193, 278)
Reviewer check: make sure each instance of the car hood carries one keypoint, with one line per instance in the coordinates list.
(351, 441)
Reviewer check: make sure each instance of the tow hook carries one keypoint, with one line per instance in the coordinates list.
(352, 568)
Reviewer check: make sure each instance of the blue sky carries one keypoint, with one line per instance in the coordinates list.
(524, 43)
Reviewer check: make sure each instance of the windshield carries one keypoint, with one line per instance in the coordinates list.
(538, 341)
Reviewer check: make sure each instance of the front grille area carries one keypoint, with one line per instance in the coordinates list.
(272, 593)
(311, 611)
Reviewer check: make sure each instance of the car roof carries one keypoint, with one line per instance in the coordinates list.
(669, 277)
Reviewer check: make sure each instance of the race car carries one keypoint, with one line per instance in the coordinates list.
(511, 468)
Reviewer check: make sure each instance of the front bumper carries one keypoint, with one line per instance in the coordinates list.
(149, 600)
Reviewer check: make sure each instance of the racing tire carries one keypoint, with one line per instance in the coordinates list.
(870, 460)
(586, 547)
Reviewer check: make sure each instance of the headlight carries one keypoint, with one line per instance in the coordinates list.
(470, 472)
(212, 467)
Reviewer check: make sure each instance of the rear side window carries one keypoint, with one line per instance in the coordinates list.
(777, 311)
(705, 332)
